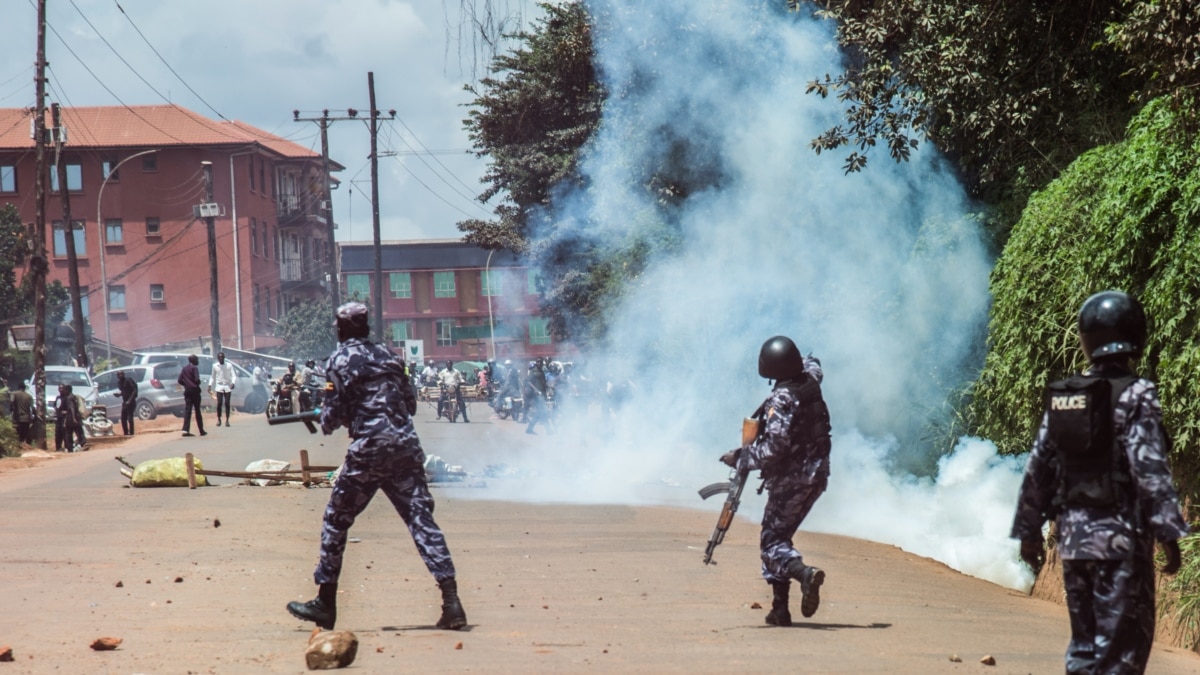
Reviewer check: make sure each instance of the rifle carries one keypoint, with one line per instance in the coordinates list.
(734, 487)
(307, 417)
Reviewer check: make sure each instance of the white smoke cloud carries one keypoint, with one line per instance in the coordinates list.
(881, 274)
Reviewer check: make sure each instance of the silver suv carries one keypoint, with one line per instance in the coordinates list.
(158, 390)
(244, 396)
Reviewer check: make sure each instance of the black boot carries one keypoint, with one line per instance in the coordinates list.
(810, 579)
(453, 616)
(321, 610)
(779, 614)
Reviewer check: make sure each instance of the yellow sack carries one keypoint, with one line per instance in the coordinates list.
(169, 472)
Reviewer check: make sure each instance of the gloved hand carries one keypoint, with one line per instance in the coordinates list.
(731, 458)
(1033, 552)
(1174, 557)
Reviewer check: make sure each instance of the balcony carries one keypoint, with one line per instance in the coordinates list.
(296, 274)
(295, 210)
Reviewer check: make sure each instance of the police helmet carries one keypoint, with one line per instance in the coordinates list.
(1110, 323)
(780, 359)
(352, 321)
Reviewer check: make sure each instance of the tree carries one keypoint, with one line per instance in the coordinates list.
(308, 330)
(12, 249)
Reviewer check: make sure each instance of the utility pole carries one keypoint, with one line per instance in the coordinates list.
(327, 202)
(38, 265)
(209, 211)
(375, 210)
(60, 164)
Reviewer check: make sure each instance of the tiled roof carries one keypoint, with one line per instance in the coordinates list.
(142, 126)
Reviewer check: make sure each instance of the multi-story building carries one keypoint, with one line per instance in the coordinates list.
(460, 301)
(134, 178)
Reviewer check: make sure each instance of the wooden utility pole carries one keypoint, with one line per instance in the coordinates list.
(211, 227)
(375, 210)
(38, 265)
(64, 191)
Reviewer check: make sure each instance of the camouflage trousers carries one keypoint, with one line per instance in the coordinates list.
(370, 466)
(1112, 614)
(787, 507)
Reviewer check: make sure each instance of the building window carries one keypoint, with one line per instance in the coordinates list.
(358, 286)
(400, 331)
(539, 333)
(60, 239)
(401, 284)
(150, 162)
(266, 237)
(8, 178)
(253, 237)
(114, 231)
(443, 284)
(152, 227)
(116, 298)
(533, 283)
(107, 172)
(83, 305)
(158, 293)
(74, 178)
(489, 283)
(444, 331)
(258, 313)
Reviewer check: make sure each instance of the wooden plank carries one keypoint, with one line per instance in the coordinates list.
(304, 466)
(191, 470)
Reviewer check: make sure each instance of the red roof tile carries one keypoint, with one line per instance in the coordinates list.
(142, 126)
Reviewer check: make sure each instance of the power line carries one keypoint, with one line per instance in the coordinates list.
(418, 140)
(118, 54)
(160, 58)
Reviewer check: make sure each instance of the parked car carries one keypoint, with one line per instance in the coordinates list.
(158, 390)
(79, 379)
(244, 398)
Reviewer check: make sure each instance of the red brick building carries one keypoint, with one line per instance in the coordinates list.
(133, 215)
(453, 297)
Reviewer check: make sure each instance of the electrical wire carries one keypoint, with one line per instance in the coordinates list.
(116, 53)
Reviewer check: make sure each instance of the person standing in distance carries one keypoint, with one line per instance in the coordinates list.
(189, 379)
(22, 413)
(221, 382)
(128, 390)
(792, 451)
(1099, 469)
(372, 398)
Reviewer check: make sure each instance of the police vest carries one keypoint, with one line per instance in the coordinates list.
(1092, 468)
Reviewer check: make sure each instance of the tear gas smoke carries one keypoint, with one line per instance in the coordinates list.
(880, 274)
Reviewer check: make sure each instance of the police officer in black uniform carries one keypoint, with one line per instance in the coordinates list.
(1099, 469)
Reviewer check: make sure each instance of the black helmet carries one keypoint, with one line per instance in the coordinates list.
(780, 359)
(1112, 322)
(309, 363)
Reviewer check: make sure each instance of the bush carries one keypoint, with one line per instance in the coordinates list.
(9, 446)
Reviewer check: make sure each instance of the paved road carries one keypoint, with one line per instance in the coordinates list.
(547, 587)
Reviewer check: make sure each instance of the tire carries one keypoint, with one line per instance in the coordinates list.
(270, 409)
(145, 410)
(255, 404)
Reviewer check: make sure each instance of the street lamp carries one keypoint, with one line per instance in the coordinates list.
(103, 273)
(487, 271)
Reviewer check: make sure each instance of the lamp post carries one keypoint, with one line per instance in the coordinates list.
(487, 272)
(103, 273)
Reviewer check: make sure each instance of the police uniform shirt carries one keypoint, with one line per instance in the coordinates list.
(781, 455)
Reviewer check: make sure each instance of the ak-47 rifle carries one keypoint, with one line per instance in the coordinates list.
(734, 486)
(308, 417)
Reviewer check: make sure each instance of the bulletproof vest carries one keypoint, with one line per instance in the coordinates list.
(1093, 471)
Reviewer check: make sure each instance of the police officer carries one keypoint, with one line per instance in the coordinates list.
(535, 396)
(792, 451)
(372, 398)
(1099, 469)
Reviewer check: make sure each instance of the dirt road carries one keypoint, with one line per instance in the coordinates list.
(547, 588)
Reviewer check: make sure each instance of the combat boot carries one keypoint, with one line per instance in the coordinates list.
(810, 579)
(453, 616)
(779, 614)
(321, 610)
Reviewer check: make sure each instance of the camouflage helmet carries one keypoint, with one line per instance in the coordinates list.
(780, 359)
(351, 320)
(1110, 323)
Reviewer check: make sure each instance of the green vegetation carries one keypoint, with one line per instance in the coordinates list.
(308, 330)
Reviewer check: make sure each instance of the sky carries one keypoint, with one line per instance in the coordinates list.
(258, 61)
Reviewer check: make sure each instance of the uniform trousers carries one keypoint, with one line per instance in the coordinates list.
(1111, 603)
(397, 469)
(787, 506)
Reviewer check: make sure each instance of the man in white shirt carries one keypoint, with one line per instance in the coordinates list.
(221, 384)
(452, 380)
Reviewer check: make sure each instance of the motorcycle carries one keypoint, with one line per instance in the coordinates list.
(508, 406)
(281, 400)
